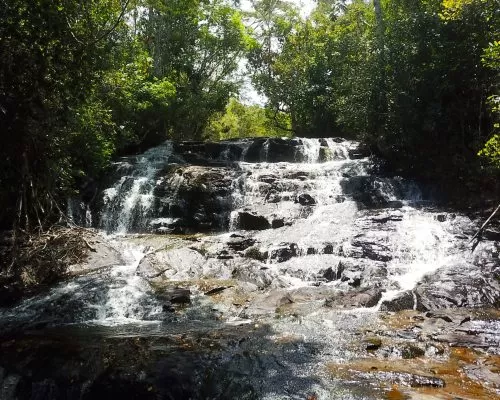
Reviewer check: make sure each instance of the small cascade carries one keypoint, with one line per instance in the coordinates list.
(128, 203)
(339, 150)
(311, 150)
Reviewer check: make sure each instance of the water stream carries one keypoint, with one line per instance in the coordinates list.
(243, 269)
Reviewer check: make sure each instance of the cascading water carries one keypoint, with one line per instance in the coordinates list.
(277, 255)
(128, 202)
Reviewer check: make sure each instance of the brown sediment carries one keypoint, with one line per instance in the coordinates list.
(453, 371)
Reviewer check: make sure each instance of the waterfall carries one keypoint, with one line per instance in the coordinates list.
(255, 265)
(311, 149)
(129, 201)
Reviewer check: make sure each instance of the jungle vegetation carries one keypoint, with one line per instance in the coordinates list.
(84, 82)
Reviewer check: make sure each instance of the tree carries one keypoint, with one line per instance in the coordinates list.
(52, 53)
(197, 45)
(241, 121)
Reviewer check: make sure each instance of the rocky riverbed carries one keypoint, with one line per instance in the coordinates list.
(266, 269)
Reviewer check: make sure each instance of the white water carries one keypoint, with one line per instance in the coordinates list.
(325, 234)
(132, 195)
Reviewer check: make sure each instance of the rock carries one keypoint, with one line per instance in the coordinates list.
(441, 217)
(284, 252)
(297, 175)
(325, 154)
(256, 254)
(466, 285)
(252, 222)
(104, 256)
(277, 223)
(359, 152)
(408, 300)
(383, 218)
(9, 387)
(371, 248)
(444, 317)
(371, 191)
(411, 380)
(330, 274)
(224, 255)
(328, 249)
(410, 351)
(267, 178)
(355, 299)
(175, 295)
(372, 343)
(252, 271)
(305, 200)
(240, 243)
(177, 264)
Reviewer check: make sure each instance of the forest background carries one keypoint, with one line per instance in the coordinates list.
(84, 82)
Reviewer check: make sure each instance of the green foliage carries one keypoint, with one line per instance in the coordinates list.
(196, 45)
(411, 78)
(81, 81)
(491, 150)
(52, 55)
(239, 121)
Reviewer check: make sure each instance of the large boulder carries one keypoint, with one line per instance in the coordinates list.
(252, 222)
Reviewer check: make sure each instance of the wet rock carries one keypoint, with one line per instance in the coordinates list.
(305, 199)
(284, 252)
(359, 152)
(9, 386)
(256, 254)
(387, 216)
(103, 256)
(267, 178)
(273, 197)
(410, 351)
(329, 274)
(355, 299)
(249, 221)
(179, 264)
(408, 300)
(224, 255)
(297, 175)
(278, 223)
(254, 272)
(328, 249)
(325, 154)
(175, 295)
(240, 243)
(444, 317)
(411, 380)
(354, 282)
(372, 343)
(470, 286)
(441, 217)
(372, 248)
(374, 192)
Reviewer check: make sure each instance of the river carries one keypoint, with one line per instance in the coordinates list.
(263, 269)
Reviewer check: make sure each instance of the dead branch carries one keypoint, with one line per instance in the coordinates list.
(477, 236)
